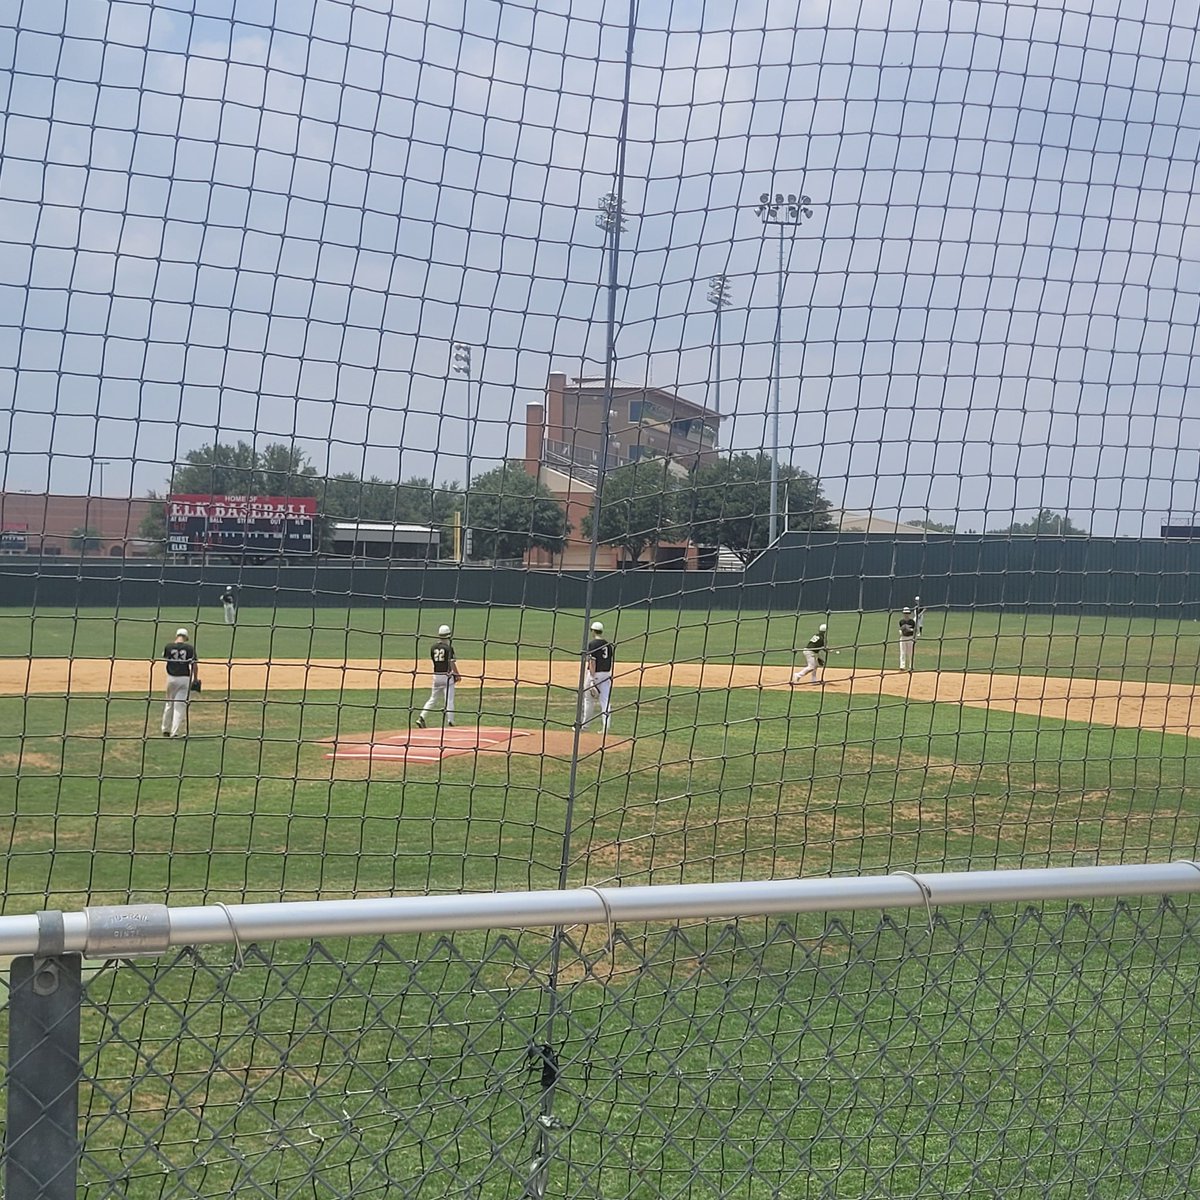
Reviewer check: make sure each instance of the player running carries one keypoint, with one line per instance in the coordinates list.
(814, 656)
(597, 683)
(908, 640)
(229, 604)
(182, 672)
(445, 676)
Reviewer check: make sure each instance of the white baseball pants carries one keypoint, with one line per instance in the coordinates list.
(175, 710)
(230, 614)
(811, 667)
(908, 649)
(443, 689)
(597, 694)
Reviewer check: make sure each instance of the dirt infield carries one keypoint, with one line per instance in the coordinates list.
(83, 676)
(1163, 707)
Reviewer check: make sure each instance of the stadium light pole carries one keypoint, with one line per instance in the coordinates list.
(719, 298)
(610, 217)
(462, 365)
(788, 212)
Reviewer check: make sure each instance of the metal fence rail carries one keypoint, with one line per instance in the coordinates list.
(992, 1034)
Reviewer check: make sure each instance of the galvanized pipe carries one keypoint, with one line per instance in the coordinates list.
(139, 930)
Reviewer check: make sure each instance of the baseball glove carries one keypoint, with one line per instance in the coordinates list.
(196, 686)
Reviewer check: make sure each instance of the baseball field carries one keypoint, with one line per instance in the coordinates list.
(1018, 740)
(811, 1057)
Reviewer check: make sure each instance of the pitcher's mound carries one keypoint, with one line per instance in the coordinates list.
(432, 745)
(423, 745)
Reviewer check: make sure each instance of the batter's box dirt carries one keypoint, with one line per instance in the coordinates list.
(423, 745)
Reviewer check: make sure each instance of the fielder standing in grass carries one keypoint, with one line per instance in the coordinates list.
(183, 674)
(445, 676)
(597, 683)
(908, 639)
(814, 656)
(229, 604)
(919, 615)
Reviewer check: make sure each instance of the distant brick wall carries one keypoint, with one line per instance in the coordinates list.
(50, 521)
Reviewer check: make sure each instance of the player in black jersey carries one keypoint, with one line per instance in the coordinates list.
(445, 676)
(814, 656)
(597, 686)
(908, 639)
(229, 604)
(182, 670)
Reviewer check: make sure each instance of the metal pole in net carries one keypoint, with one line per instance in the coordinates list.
(611, 219)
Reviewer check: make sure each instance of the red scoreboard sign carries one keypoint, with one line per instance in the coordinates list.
(250, 525)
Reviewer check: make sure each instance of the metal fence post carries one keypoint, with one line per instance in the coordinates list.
(42, 1136)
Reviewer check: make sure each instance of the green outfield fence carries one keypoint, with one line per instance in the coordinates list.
(815, 572)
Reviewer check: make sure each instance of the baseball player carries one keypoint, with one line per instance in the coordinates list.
(908, 639)
(445, 676)
(182, 670)
(597, 684)
(919, 614)
(814, 656)
(229, 604)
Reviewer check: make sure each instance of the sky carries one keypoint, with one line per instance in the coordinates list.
(269, 221)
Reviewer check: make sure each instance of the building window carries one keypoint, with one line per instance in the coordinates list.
(635, 412)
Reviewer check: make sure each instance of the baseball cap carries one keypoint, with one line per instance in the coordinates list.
(908, 610)
(597, 627)
(181, 633)
(443, 631)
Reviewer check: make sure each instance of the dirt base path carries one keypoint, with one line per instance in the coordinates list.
(84, 676)
(1163, 707)
(1127, 704)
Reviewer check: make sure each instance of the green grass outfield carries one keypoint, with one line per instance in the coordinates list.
(715, 785)
(830, 1055)
(1103, 647)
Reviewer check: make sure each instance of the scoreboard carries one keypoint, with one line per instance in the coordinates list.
(241, 525)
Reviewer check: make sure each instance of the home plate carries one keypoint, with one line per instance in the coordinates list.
(423, 745)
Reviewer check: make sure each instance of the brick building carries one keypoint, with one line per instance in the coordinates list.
(53, 525)
(563, 440)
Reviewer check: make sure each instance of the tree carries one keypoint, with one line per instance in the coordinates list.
(729, 503)
(511, 512)
(85, 539)
(1046, 523)
(931, 526)
(240, 470)
(415, 501)
(638, 508)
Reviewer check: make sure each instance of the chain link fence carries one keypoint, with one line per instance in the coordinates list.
(1042, 1050)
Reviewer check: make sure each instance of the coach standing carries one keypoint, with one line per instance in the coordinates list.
(182, 671)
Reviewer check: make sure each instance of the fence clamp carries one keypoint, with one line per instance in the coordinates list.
(127, 931)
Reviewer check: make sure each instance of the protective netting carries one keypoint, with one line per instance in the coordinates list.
(1035, 1052)
(515, 317)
